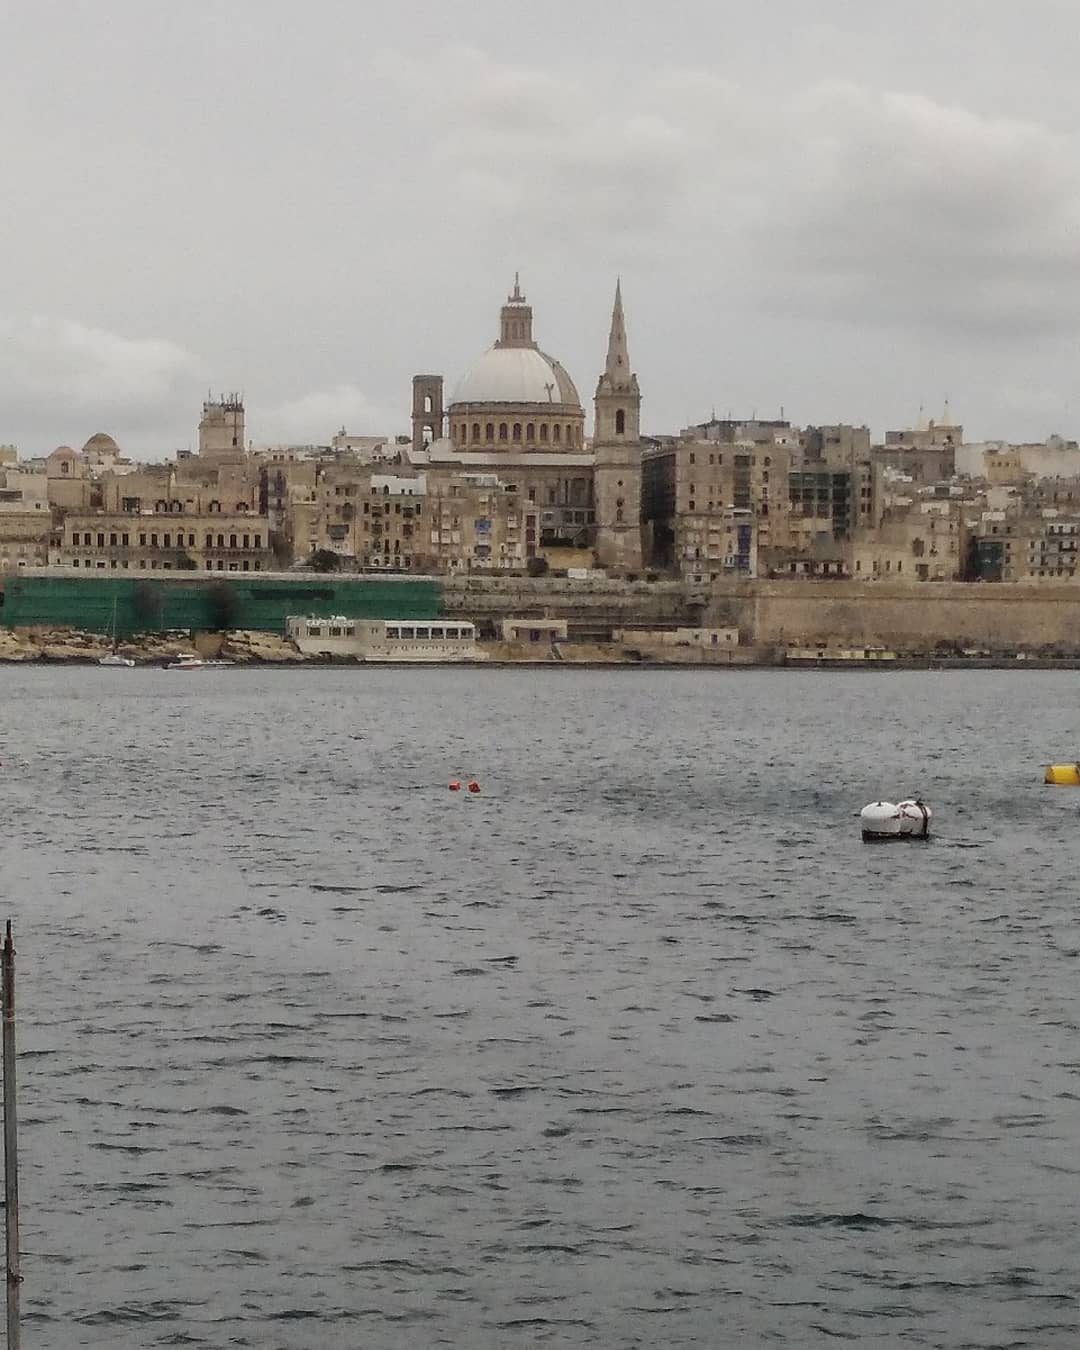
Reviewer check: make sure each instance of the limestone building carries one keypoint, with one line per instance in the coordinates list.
(169, 541)
(221, 428)
(516, 413)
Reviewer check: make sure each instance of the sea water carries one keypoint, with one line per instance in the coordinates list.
(640, 1046)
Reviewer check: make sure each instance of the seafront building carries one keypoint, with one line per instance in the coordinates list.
(507, 474)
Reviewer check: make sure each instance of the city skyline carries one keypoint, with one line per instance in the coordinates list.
(848, 216)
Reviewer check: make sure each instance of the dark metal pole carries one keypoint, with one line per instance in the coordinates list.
(11, 1146)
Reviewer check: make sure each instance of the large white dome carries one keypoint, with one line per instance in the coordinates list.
(516, 375)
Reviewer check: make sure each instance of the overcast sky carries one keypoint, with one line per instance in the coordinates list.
(841, 208)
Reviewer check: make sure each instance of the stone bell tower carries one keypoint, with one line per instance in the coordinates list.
(427, 410)
(617, 452)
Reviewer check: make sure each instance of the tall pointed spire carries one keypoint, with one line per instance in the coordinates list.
(618, 378)
(616, 449)
(618, 357)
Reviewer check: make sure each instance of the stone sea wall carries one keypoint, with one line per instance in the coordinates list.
(910, 618)
(907, 618)
(913, 620)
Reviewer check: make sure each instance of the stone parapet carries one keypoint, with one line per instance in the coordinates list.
(905, 617)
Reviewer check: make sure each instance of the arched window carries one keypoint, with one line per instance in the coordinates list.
(166, 541)
(161, 506)
(543, 431)
(502, 431)
(209, 540)
(556, 433)
(214, 506)
(176, 506)
(620, 422)
(221, 541)
(241, 506)
(476, 431)
(232, 540)
(427, 403)
(489, 431)
(517, 431)
(530, 432)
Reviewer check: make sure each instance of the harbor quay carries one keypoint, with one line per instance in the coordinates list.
(50, 614)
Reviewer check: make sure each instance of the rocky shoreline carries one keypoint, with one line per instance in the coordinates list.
(68, 646)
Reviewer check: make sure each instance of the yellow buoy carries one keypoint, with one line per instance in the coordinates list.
(1063, 775)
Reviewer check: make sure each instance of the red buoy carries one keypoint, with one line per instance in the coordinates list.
(455, 784)
(473, 785)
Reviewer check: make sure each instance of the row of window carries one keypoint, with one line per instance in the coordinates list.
(527, 432)
(154, 565)
(175, 507)
(743, 461)
(122, 539)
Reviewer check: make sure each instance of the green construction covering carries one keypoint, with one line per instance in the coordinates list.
(146, 604)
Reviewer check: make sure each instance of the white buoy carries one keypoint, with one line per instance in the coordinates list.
(880, 820)
(914, 818)
(909, 819)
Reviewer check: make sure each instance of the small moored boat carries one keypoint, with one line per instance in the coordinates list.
(193, 661)
(114, 658)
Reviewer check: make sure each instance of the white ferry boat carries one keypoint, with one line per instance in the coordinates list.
(192, 661)
(384, 639)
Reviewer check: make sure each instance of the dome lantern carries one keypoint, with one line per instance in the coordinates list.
(515, 320)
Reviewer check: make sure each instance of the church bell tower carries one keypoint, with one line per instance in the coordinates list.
(617, 452)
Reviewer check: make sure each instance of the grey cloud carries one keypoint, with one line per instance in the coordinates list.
(250, 183)
(89, 377)
(835, 200)
(312, 418)
(550, 154)
(904, 210)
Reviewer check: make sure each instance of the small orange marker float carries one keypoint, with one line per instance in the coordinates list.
(455, 784)
(473, 785)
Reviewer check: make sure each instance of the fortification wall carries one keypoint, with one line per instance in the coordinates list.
(588, 600)
(905, 617)
(908, 618)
